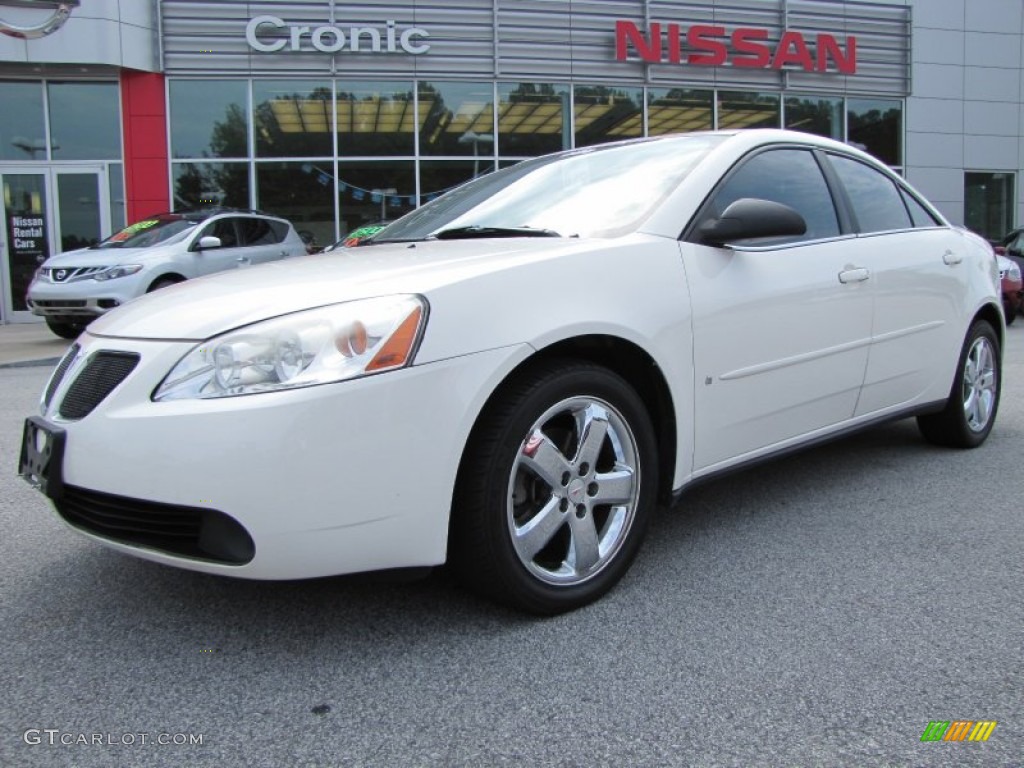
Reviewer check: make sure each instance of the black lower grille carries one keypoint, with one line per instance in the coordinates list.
(99, 377)
(196, 532)
(58, 374)
(60, 304)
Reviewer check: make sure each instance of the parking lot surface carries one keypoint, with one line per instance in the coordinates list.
(819, 610)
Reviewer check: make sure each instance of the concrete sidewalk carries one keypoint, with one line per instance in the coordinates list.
(26, 344)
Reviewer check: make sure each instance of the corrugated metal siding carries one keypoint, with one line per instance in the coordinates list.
(540, 40)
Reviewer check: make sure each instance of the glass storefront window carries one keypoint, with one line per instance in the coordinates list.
(989, 203)
(374, 191)
(200, 185)
(375, 119)
(24, 196)
(820, 115)
(876, 126)
(302, 193)
(292, 118)
(678, 110)
(116, 190)
(209, 118)
(739, 109)
(456, 119)
(604, 114)
(85, 121)
(22, 130)
(532, 118)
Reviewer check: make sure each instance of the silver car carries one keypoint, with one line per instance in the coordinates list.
(71, 289)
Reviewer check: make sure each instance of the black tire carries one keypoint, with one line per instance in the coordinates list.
(973, 401)
(162, 282)
(551, 545)
(69, 331)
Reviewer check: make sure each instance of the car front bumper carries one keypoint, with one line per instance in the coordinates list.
(337, 478)
(85, 299)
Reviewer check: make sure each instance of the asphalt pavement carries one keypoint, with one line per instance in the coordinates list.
(820, 610)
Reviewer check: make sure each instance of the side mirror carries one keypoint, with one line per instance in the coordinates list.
(208, 242)
(749, 218)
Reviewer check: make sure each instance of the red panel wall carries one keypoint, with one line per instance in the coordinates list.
(144, 111)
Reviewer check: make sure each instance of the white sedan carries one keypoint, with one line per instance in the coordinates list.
(511, 377)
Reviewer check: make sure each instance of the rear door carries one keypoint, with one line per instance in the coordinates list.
(260, 240)
(918, 271)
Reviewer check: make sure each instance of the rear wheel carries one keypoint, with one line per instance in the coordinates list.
(556, 489)
(970, 412)
(65, 330)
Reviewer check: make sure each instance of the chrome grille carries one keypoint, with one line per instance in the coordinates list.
(70, 274)
(99, 377)
(58, 375)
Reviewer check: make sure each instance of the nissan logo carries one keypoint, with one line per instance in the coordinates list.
(58, 12)
(60, 274)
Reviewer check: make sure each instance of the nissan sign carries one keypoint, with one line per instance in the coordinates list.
(52, 16)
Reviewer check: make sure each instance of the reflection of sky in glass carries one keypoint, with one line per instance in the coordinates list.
(85, 121)
(197, 106)
(594, 194)
(22, 131)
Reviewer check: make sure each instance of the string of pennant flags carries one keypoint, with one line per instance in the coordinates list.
(359, 194)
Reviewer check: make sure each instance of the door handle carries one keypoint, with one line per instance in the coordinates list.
(952, 259)
(854, 275)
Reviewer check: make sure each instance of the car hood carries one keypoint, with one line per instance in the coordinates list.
(101, 257)
(198, 309)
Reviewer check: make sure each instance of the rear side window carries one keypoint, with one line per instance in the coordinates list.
(256, 232)
(280, 230)
(788, 176)
(876, 201)
(918, 213)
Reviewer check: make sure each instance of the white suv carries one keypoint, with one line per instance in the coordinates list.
(71, 289)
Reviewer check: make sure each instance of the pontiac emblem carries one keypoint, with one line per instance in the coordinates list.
(59, 11)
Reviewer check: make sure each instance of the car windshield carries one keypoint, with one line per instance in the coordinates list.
(149, 232)
(597, 192)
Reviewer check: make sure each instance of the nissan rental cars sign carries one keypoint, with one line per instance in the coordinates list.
(332, 39)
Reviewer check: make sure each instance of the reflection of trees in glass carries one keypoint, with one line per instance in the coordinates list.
(375, 124)
(531, 119)
(229, 137)
(748, 110)
(199, 185)
(606, 114)
(877, 131)
(822, 117)
(295, 125)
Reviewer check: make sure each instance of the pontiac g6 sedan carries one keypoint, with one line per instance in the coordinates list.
(511, 377)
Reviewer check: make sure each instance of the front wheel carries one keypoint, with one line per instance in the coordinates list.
(556, 489)
(970, 411)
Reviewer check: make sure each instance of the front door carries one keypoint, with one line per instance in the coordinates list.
(45, 211)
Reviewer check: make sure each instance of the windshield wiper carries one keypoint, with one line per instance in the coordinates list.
(475, 230)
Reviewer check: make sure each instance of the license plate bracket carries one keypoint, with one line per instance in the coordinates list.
(42, 456)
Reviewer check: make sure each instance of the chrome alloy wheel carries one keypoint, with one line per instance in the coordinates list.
(980, 384)
(573, 491)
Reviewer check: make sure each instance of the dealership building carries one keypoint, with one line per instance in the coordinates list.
(337, 114)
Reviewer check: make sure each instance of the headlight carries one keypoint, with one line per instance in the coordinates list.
(121, 270)
(316, 346)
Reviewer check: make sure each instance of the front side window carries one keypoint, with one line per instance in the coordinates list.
(877, 203)
(788, 176)
(223, 229)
